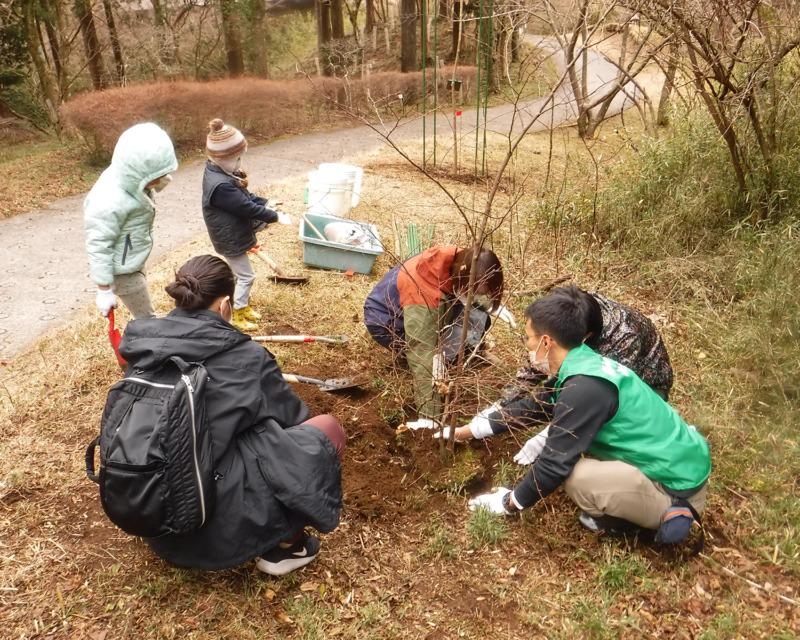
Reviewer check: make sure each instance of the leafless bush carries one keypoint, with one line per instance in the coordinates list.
(264, 109)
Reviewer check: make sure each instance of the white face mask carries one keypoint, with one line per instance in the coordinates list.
(162, 183)
(543, 365)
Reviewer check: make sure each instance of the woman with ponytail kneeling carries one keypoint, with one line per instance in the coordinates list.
(277, 470)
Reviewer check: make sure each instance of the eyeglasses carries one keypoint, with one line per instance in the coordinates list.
(524, 340)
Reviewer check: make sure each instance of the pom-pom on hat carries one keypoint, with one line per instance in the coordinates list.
(225, 145)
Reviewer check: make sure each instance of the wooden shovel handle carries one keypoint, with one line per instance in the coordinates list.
(272, 264)
(312, 227)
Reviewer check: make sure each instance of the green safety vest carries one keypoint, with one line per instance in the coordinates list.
(646, 432)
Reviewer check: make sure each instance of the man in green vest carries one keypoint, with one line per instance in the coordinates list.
(647, 467)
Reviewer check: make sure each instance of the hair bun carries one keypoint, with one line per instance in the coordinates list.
(216, 124)
(190, 282)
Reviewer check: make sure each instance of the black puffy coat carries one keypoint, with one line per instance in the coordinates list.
(230, 212)
(274, 477)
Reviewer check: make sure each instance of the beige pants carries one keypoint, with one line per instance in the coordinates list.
(618, 489)
(132, 290)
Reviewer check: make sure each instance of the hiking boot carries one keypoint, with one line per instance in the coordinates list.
(279, 562)
(251, 314)
(610, 525)
(241, 322)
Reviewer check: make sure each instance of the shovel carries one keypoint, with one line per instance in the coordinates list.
(282, 276)
(331, 384)
(115, 337)
(340, 340)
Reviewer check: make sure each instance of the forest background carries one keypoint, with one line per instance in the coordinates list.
(685, 207)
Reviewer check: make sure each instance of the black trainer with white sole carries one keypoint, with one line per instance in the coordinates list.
(279, 562)
(610, 525)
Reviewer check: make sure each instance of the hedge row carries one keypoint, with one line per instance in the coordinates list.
(263, 109)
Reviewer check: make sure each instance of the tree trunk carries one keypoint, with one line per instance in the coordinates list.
(408, 36)
(159, 21)
(55, 44)
(115, 45)
(47, 80)
(94, 58)
(369, 16)
(258, 29)
(503, 38)
(324, 36)
(458, 11)
(232, 36)
(514, 38)
(666, 91)
(337, 20)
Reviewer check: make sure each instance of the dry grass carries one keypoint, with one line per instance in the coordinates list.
(402, 563)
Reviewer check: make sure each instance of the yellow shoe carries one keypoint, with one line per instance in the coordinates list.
(240, 321)
(251, 314)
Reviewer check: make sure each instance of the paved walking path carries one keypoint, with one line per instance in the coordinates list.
(44, 274)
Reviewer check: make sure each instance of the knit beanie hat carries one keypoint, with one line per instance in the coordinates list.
(225, 145)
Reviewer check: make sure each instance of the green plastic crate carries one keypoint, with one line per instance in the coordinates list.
(334, 255)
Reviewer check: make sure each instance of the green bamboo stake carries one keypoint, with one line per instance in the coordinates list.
(435, 74)
(424, 60)
(488, 56)
(478, 92)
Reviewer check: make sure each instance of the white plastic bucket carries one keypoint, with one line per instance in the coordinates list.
(354, 176)
(329, 194)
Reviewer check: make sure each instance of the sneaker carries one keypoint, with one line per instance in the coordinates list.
(589, 522)
(610, 525)
(279, 562)
(251, 314)
(240, 321)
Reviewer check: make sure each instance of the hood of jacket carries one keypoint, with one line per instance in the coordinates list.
(143, 153)
(193, 335)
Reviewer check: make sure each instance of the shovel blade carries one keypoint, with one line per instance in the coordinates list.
(115, 337)
(339, 384)
(296, 280)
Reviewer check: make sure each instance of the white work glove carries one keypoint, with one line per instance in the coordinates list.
(532, 449)
(480, 426)
(502, 313)
(444, 433)
(284, 218)
(460, 437)
(421, 423)
(106, 300)
(491, 502)
(274, 204)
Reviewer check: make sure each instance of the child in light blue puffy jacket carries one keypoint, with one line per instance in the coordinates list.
(118, 217)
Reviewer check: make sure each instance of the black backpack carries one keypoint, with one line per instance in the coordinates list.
(156, 467)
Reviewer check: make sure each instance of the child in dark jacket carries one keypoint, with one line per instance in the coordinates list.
(233, 215)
